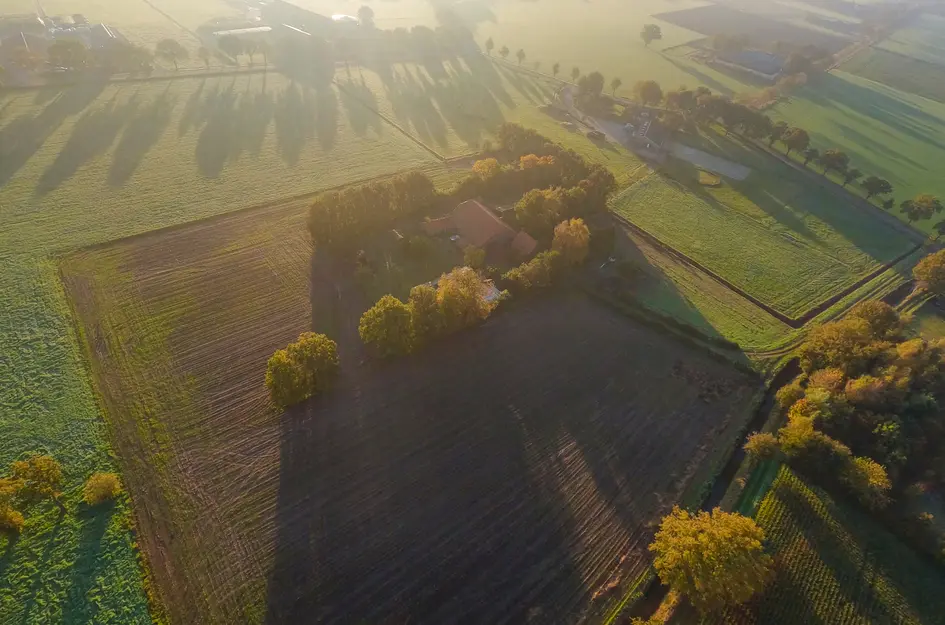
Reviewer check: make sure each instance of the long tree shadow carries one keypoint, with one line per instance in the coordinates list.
(92, 136)
(22, 137)
(140, 135)
(360, 103)
(188, 117)
(294, 113)
(40, 565)
(254, 114)
(215, 142)
(85, 570)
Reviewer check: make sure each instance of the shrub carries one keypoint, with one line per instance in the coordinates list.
(536, 273)
(572, 240)
(387, 326)
(101, 487)
(788, 394)
(302, 369)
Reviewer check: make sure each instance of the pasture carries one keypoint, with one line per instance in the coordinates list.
(836, 565)
(923, 39)
(300, 512)
(788, 245)
(905, 73)
(886, 132)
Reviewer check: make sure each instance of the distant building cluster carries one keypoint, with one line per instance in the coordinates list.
(34, 33)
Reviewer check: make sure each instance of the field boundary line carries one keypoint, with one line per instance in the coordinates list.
(185, 74)
(390, 121)
(793, 322)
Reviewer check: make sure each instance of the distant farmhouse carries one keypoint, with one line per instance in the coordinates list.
(472, 223)
(285, 16)
(756, 62)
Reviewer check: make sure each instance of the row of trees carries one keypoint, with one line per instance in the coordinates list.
(459, 299)
(303, 369)
(570, 246)
(39, 477)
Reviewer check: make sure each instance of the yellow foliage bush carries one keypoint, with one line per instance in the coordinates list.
(101, 487)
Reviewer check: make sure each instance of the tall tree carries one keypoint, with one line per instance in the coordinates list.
(366, 16)
(795, 139)
(302, 369)
(232, 46)
(520, 55)
(572, 240)
(648, 92)
(810, 154)
(204, 55)
(888, 204)
(614, 85)
(504, 52)
(575, 72)
(834, 160)
(39, 476)
(930, 272)
(490, 46)
(874, 185)
(851, 174)
(171, 50)
(716, 559)
(69, 53)
(777, 131)
(921, 207)
(651, 33)
(387, 326)
(556, 69)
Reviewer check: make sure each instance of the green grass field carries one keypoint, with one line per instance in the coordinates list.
(88, 164)
(905, 73)
(923, 39)
(835, 565)
(788, 245)
(888, 133)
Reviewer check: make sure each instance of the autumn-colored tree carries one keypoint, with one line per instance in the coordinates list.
(39, 475)
(11, 519)
(474, 257)
(539, 210)
(171, 50)
(101, 487)
(789, 393)
(796, 139)
(387, 327)
(716, 559)
(302, 369)
(426, 317)
(930, 272)
(874, 185)
(651, 33)
(487, 168)
(847, 345)
(868, 481)
(883, 320)
(761, 446)
(921, 207)
(461, 295)
(536, 273)
(572, 239)
(648, 92)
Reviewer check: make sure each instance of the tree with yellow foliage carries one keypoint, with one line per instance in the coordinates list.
(39, 476)
(716, 559)
(461, 295)
(387, 326)
(302, 369)
(572, 240)
(101, 487)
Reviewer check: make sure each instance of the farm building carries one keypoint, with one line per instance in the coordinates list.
(756, 62)
(296, 18)
(474, 224)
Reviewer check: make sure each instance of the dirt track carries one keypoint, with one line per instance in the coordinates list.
(496, 477)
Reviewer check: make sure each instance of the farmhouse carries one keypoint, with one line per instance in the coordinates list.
(474, 224)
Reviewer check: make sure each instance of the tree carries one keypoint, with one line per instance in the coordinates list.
(810, 154)
(874, 185)
(101, 487)
(537, 273)
(387, 326)
(614, 85)
(474, 257)
(11, 520)
(778, 130)
(651, 33)
(648, 92)
(930, 272)
(868, 481)
(69, 53)
(490, 46)
(204, 55)
(171, 50)
(575, 72)
(716, 559)
(263, 47)
(888, 204)
(847, 344)
(939, 228)
(538, 211)
(39, 476)
(591, 85)
(461, 295)
(572, 239)
(249, 49)
(426, 318)
(302, 369)
(366, 16)
(520, 55)
(504, 52)
(487, 168)
(850, 175)
(232, 46)
(556, 69)
(882, 319)
(921, 207)
(834, 160)
(761, 446)
(795, 139)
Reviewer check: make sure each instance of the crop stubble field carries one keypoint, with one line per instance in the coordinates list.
(301, 513)
(835, 565)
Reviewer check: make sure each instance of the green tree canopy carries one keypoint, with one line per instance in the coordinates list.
(302, 369)
(387, 326)
(921, 207)
(716, 559)
(171, 50)
(874, 185)
(651, 33)
(834, 160)
(572, 239)
(796, 139)
(648, 92)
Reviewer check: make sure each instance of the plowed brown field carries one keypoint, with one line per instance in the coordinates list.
(503, 475)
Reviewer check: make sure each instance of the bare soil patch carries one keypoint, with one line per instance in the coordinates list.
(504, 475)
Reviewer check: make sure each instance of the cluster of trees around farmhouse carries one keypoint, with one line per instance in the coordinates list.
(866, 417)
(38, 477)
